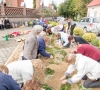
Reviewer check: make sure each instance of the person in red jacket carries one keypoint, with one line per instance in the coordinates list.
(89, 51)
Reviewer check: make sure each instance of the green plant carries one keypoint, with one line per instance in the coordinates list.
(65, 25)
(80, 87)
(53, 23)
(46, 87)
(78, 31)
(63, 53)
(30, 23)
(89, 36)
(99, 44)
(52, 62)
(95, 42)
(65, 87)
(49, 71)
(49, 50)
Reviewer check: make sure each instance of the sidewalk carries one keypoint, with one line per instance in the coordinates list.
(7, 47)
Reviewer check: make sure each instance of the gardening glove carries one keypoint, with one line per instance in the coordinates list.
(64, 81)
(51, 56)
(64, 77)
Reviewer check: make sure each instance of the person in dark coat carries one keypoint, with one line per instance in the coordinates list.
(77, 39)
(6, 81)
(7, 23)
(69, 24)
(42, 47)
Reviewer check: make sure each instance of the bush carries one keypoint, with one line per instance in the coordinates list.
(95, 42)
(30, 23)
(53, 23)
(89, 36)
(65, 25)
(78, 31)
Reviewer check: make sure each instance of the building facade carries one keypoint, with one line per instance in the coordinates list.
(14, 3)
(94, 9)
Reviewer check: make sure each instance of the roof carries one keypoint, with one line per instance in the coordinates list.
(94, 3)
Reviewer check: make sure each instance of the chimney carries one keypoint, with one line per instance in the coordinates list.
(38, 4)
(50, 6)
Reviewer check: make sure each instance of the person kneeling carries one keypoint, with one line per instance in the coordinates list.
(22, 71)
(6, 81)
(86, 67)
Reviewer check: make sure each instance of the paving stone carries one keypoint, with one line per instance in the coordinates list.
(2, 54)
(7, 47)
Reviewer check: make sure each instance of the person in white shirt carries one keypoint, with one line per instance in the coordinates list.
(59, 28)
(84, 66)
(23, 70)
(63, 39)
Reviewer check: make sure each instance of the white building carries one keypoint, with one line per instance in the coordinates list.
(94, 9)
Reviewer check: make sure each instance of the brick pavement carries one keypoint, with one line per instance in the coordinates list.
(7, 47)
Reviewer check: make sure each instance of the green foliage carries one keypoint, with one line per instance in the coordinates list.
(99, 43)
(65, 87)
(73, 8)
(78, 31)
(30, 23)
(95, 42)
(65, 25)
(54, 6)
(53, 23)
(46, 12)
(80, 87)
(49, 50)
(34, 3)
(89, 36)
(46, 87)
(52, 62)
(49, 71)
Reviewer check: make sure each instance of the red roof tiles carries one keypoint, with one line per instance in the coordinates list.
(94, 3)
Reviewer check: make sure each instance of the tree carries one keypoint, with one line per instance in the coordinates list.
(73, 8)
(34, 3)
(54, 6)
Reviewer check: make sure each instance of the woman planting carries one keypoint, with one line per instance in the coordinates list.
(6, 81)
(22, 71)
(85, 66)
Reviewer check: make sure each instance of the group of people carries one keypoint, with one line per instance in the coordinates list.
(83, 57)
(4, 23)
(22, 71)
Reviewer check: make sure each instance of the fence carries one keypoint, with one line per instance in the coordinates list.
(19, 12)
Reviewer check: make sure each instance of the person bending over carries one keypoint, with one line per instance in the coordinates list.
(84, 66)
(31, 44)
(42, 47)
(77, 39)
(23, 70)
(88, 50)
(6, 81)
(63, 39)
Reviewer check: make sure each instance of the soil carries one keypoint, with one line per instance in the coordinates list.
(57, 65)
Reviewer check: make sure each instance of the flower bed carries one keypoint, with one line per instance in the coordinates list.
(56, 65)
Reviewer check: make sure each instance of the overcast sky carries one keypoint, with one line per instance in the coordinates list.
(29, 3)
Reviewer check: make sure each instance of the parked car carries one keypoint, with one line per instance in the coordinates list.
(89, 24)
(58, 18)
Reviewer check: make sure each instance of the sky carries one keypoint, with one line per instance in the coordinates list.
(29, 3)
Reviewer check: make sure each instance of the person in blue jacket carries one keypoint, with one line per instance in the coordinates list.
(6, 81)
(42, 47)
